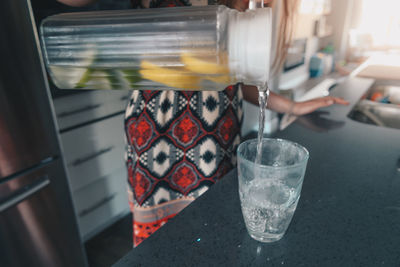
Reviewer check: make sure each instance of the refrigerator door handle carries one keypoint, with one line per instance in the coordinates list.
(23, 193)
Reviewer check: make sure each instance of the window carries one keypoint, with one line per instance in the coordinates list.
(379, 25)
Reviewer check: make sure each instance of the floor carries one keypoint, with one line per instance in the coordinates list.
(110, 245)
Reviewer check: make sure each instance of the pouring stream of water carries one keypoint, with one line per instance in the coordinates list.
(263, 93)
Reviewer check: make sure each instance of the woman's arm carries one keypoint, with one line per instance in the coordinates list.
(281, 104)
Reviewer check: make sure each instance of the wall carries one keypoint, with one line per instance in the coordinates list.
(341, 17)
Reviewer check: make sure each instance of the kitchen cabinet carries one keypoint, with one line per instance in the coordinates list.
(91, 127)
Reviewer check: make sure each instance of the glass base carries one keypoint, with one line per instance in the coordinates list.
(266, 237)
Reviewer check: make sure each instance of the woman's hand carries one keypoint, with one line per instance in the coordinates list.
(302, 108)
(281, 104)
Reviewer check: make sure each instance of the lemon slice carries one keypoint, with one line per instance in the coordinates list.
(202, 66)
(71, 77)
(118, 79)
(131, 76)
(220, 79)
(176, 77)
(99, 79)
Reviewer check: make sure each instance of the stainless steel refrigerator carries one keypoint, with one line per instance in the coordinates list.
(37, 221)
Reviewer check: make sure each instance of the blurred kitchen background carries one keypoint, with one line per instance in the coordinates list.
(331, 40)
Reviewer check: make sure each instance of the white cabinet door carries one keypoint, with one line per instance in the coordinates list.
(100, 203)
(78, 109)
(92, 137)
(94, 151)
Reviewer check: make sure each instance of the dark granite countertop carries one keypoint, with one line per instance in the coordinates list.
(348, 213)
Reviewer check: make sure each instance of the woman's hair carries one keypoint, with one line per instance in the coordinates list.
(285, 32)
(287, 14)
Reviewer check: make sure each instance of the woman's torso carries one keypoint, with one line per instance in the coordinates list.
(179, 144)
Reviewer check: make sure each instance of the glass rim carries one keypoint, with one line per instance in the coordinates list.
(301, 162)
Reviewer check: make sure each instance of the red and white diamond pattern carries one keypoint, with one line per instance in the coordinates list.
(184, 178)
(185, 130)
(140, 131)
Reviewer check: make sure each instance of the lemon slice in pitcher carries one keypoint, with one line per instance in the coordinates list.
(203, 66)
(175, 77)
(98, 79)
(69, 77)
(107, 79)
(220, 79)
(74, 76)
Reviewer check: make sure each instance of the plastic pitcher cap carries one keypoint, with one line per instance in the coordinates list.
(250, 45)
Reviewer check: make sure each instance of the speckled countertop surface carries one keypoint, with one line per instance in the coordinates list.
(348, 213)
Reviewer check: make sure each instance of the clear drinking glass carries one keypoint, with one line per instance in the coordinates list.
(269, 192)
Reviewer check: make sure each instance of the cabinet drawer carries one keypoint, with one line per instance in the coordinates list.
(99, 203)
(103, 217)
(82, 108)
(92, 196)
(94, 150)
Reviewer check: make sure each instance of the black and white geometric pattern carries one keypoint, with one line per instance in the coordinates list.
(131, 154)
(208, 106)
(161, 195)
(163, 108)
(136, 104)
(161, 157)
(206, 155)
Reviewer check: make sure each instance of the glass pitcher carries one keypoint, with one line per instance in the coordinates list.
(181, 48)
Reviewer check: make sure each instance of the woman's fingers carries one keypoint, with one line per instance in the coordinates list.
(314, 104)
(329, 100)
(340, 101)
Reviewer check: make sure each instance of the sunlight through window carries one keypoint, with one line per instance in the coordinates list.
(380, 23)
